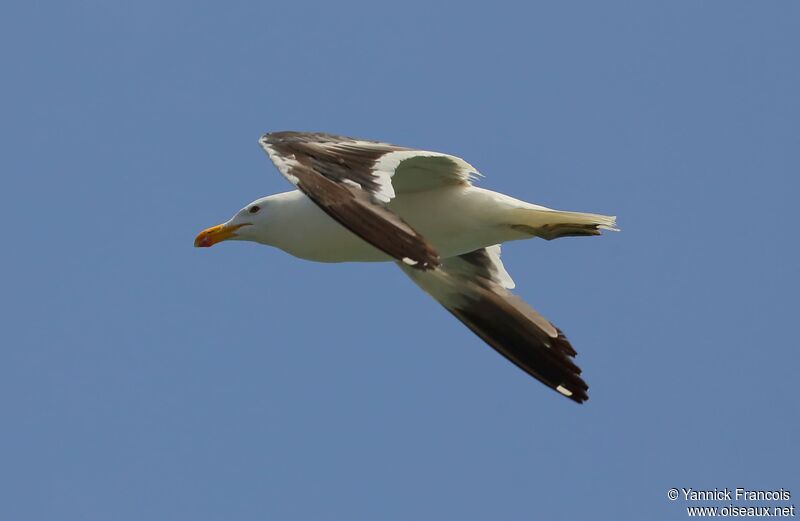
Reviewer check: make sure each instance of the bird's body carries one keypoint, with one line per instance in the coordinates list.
(455, 220)
(367, 201)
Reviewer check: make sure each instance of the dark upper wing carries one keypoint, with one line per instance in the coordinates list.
(352, 180)
(475, 288)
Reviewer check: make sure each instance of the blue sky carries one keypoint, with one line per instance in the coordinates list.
(141, 378)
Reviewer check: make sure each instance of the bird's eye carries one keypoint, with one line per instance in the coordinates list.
(254, 209)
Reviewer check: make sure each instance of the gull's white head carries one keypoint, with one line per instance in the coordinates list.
(249, 224)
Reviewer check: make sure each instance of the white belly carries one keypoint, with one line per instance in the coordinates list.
(455, 220)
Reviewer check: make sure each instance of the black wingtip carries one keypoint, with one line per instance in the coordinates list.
(524, 344)
(577, 394)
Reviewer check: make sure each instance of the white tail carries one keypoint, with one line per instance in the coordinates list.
(553, 224)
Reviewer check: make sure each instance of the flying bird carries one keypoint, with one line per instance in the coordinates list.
(368, 201)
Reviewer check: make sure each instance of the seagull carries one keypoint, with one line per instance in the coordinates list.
(368, 201)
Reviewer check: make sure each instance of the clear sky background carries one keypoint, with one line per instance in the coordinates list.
(141, 378)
